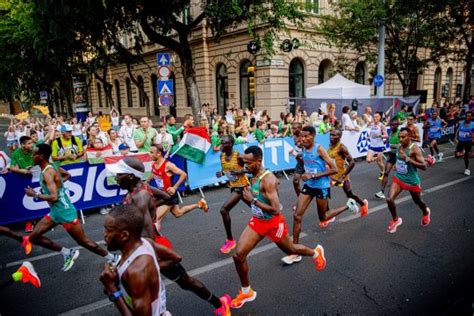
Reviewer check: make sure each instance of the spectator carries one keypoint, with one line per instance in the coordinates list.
(12, 142)
(35, 139)
(216, 139)
(274, 132)
(367, 116)
(101, 134)
(324, 126)
(172, 129)
(126, 132)
(91, 118)
(114, 141)
(124, 150)
(67, 149)
(188, 121)
(332, 113)
(260, 132)
(22, 157)
(401, 116)
(163, 138)
(77, 129)
(144, 135)
(355, 121)
(115, 119)
(346, 119)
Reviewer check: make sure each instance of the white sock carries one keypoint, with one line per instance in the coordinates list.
(246, 290)
(65, 251)
(109, 256)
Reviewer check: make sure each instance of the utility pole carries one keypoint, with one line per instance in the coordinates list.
(381, 57)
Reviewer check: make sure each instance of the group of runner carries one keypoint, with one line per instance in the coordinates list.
(132, 280)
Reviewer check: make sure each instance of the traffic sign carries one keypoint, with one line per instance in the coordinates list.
(166, 99)
(378, 80)
(43, 95)
(163, 59)
(165, 87)
(164, 72)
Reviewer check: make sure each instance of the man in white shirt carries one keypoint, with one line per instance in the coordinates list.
(163, 138)
(346, 119)
(126, 132)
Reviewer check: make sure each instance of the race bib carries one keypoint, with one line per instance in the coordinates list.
(231, 176)
(401, 167)
(256, 211)
(310, 170)
(434, 129)
(159, 182)
(464, 135)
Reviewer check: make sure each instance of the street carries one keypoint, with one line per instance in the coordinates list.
(415, 271)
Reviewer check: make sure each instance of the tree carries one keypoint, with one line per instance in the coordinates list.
(416, 34)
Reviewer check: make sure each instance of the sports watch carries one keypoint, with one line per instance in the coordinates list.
(115, 296)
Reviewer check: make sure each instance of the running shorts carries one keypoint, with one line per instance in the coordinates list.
(322, 194)
(174, 273)
(173, 200)
(464, 146)
(66, 224)
(436, 138)
(274, 228)
(299, 169)
(377, 149)
(415, 188)
(237, 189)
(392, 158)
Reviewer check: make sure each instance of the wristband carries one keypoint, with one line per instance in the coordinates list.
(37, 194)
(115, 296)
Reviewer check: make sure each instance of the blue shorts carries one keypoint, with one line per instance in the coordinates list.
(323, 194)
(436, 138)
(12, 143)
(377, 149)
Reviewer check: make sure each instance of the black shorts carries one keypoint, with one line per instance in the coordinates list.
(392, 158)
(323, 194)
(174, 273)
(299, 169)
(173, 200)
(464, 146)
(237, 189)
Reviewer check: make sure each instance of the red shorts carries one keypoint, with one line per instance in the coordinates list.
(163, 241)
(274, 228)
(416, 188)
(65, 225)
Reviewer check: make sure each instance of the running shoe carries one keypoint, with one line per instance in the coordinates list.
(224, 310)
(380, 177)
(380, 195)
(27, 274)
(430, 160)
(325, 224)
(426, 219)
(291, 259)
(242, 298)
(26, 244)
(392, 225)
(318, 258)
(69, 259)
(352, 206)
(29, 227)
(467, 172)
(294, 208)
(440, 157)
(116, 260)
(228, 246)
(364, 209)
(202, 204)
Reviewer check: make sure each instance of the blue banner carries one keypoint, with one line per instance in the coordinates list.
(276, 157)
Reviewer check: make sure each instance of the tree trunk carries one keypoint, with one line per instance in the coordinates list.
(187, 67)
(468, 74)
(140, 88)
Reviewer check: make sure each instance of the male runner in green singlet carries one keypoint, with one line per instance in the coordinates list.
(392, 156)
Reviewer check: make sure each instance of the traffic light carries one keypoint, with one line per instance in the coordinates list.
(251, 73)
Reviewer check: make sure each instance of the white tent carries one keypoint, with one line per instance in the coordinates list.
(338, 87)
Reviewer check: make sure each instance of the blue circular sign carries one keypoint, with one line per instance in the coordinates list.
(166, 99)
(378, 80)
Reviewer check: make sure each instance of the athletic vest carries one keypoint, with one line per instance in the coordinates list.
(146, 249)
(375, 135)
(394, 141)
(465, 132)
(333, 152)
(434, 131)
(255, 189)
(63, 203)
(233, 165)
(162, 179)
(406, 172)
(315, 164)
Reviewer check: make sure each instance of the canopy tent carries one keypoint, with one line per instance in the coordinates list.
(338, 87)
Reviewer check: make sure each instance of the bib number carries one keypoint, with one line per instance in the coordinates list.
(256, 211)
(401, 167)
(159, 182)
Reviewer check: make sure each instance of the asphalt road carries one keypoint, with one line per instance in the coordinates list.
(414, 271)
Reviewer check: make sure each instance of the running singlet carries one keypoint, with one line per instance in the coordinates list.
(333, 152)
(128, 199)
(394, 141)
(375, 135)
(465, 132)
(146, 249)
(406, 172)
(163, 181)
(315, 164)
(255, 189)
(434, 131)
(240, 180)
(62, 211)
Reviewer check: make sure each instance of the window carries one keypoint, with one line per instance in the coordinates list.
(449, 83)
(437, 84)
(246, 100)
(222, 88)
(296, 79)
(128, 87)
(99, 94)
(312, 6)
(141, 94)
(324, 71)
(118, 100)
(360, 73)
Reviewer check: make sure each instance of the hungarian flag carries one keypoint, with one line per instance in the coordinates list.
(194, 144)
(96, 156)
(144, 157)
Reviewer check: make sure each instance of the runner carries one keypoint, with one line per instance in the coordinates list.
(377, 136)
(464, 138)
(26, 274)
(267, 221)
(62, 211)
(340, 154)
(434, 125)
(129, 172)
(233, 167)
(163, 172)
(414, 132)
(40, 241)
(392, 155)
(299, 169)
(409, 159)
(316, 184)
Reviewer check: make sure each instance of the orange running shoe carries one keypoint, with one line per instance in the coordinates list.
(319, 260)
(325, 224)
(242, 298)
(224, 310)
(27, 245)
(28, 274)
(426, 219)
(364, 209)
(202, 204)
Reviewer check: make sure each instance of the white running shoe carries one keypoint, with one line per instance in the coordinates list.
(380, 195)
(467, 172)
(291, 259)
(353, 207)
(440, 157)
(69, 259)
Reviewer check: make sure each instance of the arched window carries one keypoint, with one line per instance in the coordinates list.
(437, 84)
(141, 95)
(296, 79)
(99, 94)
(246, 100)
(324, 71)
(128, 88)
(118, 99)
(222, 88)
(360, 72)
(449, 83)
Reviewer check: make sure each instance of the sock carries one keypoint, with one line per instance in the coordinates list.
(65, 251)
(315, 254)
(246, 290)
(17, 276)
(109, 256)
